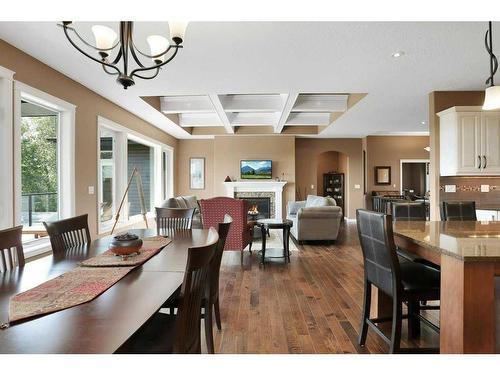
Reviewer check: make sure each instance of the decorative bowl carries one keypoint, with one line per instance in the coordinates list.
(125, 244)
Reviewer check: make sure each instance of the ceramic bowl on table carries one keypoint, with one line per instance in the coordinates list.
(125, 244)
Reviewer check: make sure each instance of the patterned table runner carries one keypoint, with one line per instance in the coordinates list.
(72, 288)
(150, 247)
(86, 282)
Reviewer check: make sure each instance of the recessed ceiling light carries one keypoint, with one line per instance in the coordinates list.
(423, 122)
(398, 54)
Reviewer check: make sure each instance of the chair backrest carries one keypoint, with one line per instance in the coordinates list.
(11, 248)
(194, 288)
(67, 233)
(408, 211)
(459, 211)
(223, 230)
(174, 218)
(379, 251)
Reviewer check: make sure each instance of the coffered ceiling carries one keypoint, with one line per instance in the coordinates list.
(250, 77)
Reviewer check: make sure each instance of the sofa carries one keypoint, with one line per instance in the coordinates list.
(188, 201)
(315, 219)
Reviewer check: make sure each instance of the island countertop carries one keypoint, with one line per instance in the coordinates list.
(465, 240)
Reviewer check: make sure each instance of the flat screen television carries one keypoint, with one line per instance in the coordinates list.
(256, 169)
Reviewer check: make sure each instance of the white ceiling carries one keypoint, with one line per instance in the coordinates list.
(280, 57)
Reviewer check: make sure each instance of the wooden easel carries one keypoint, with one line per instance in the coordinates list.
(140, 190)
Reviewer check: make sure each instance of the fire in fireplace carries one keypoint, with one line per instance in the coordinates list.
(258, 207)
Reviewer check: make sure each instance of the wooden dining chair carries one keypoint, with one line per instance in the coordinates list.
(165, 333)
(68, 233)
(174, 218)
(11, 248)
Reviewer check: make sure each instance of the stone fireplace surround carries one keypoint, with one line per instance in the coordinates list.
(258, 189)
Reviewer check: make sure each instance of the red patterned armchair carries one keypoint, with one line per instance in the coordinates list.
(241, 233)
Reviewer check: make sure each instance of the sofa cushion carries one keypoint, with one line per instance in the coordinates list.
(190, 201)
(181, 203)
(170, 203)
(317, 201)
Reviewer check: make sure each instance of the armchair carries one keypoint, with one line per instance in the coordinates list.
(318, 218)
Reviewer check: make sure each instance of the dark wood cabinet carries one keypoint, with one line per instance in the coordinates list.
(333, 186)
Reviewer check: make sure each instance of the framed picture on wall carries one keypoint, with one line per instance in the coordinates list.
(382, 175)
(197, 173)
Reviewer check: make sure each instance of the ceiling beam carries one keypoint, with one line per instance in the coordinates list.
(287, 108)
(222, 114)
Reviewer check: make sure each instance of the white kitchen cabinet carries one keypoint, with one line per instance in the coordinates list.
(469, 142)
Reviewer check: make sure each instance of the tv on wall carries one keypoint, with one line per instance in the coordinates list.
(256, 169)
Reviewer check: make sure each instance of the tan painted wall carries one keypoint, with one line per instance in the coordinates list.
(306, 154)
(439, 101)
(89, 105)
(188, 148)
(222, 158)
(388, 151)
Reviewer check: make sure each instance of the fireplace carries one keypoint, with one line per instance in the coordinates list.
(258, 207)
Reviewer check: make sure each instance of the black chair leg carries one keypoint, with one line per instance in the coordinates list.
(397, 318)
(209, 337)
(413, 321)
(365, 314)
(217, 314)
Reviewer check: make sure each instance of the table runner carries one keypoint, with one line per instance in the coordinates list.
(82, 284)
(150, 247)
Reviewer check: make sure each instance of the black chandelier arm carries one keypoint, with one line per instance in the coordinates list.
(134, 72)
(133, 46)
(87, 43)
(109, 72)
(488, 41)
(134, 55)
(153, 76)
(86, 54)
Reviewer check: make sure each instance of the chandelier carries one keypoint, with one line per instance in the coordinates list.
(124, 49)
(492, 93)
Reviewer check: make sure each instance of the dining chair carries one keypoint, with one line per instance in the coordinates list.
(408, 282)
(68, 233)
(11, 248)
(211, 300)
(174, 218)
(458, 211)
(165, 333)
(408, 211)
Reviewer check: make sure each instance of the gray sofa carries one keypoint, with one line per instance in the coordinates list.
(188, 201)
(317, 218)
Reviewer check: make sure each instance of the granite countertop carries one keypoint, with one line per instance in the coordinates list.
(465, 240)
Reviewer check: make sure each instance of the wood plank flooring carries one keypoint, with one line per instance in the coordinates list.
(312, 305)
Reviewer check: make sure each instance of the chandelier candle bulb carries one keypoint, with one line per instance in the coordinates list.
(177, 30)
(104, 36)
(158, 46)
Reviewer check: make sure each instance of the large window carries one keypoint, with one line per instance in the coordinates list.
(39, 166)
(120, 152)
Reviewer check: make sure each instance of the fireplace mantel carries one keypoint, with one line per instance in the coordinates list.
(259, 186)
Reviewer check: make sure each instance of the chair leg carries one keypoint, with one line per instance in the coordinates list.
(250, 246)
(365, 314)
(209, 337)
(413, 321)
(397, 318)
(217, 314)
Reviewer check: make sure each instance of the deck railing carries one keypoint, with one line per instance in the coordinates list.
(44, 203)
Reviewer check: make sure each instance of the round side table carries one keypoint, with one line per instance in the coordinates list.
(285, 225)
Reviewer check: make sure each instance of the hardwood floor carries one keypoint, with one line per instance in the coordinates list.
(312, 305)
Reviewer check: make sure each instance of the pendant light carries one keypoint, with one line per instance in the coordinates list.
(492, 93)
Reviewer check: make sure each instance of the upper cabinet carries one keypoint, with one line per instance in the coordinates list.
(469, 142)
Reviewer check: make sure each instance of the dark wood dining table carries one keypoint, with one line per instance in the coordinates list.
(102, 325)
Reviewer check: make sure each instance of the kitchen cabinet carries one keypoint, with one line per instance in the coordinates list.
(469, 142)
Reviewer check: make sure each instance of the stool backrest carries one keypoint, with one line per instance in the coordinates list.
(408, 211)
(459, 211)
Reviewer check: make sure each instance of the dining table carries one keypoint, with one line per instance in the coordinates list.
(468, 255)
(102, 325)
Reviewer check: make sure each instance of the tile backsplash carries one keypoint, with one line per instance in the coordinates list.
(472, 189)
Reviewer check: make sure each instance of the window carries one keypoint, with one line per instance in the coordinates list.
(120, 151)
(39, 166)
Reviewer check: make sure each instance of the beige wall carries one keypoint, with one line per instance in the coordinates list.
(188, 148)
(306, 156)
(222, 158)
(439, 101)
(89, 105)
(388, 151)
(327, 162)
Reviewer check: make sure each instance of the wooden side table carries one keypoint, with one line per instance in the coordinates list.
(285, 225)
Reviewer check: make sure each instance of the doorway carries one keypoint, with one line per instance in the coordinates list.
(414, 174)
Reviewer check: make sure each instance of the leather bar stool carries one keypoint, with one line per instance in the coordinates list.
(459, 211)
